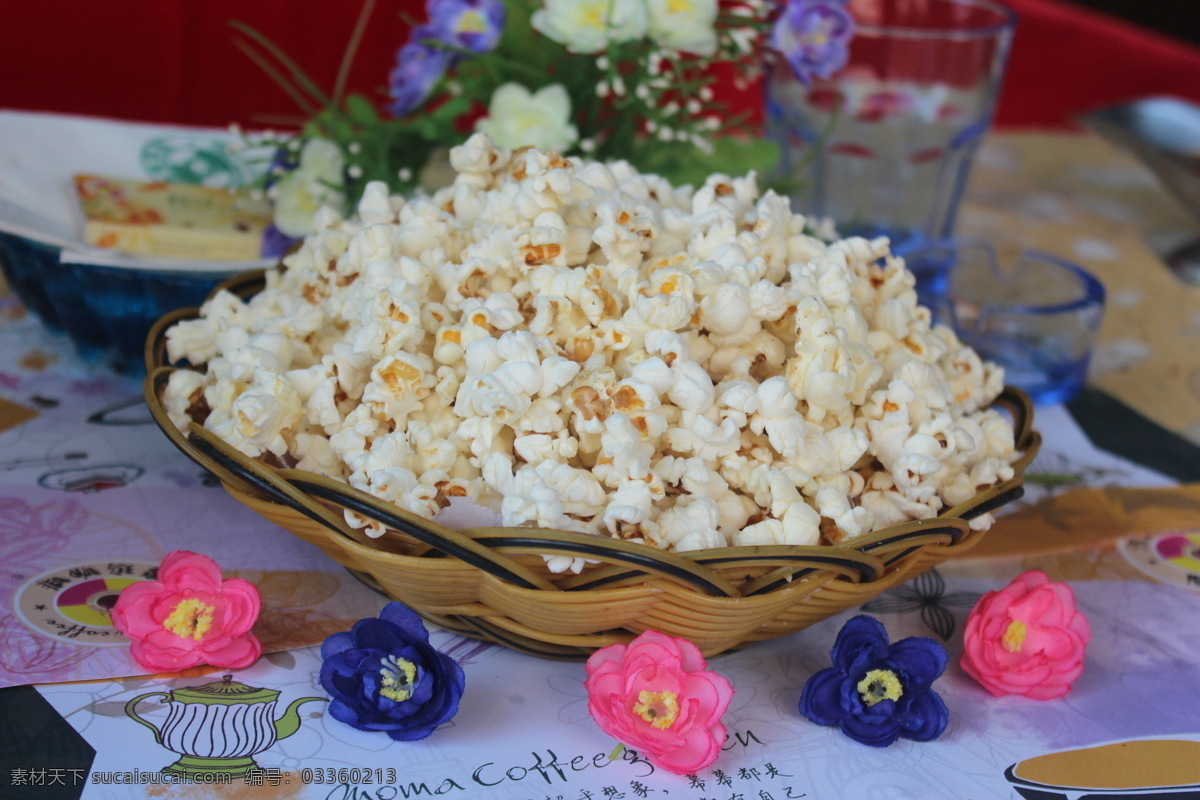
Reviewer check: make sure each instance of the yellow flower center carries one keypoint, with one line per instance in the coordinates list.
(472, 22)
(879, 684)
(658, 708)
(191, 617)
(397, 676)
(1014, 637)
(592, 15)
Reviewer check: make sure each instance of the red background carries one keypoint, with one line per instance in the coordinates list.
(176, 61)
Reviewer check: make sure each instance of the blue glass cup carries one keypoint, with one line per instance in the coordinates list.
(884, 145)
(1036, 315)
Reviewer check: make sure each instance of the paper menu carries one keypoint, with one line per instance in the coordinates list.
(523, 731)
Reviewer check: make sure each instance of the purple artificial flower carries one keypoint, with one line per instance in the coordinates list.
(812, 35)
(418, 67)
(473, 25)
(385, 676)
(876, 692)
(276, 243)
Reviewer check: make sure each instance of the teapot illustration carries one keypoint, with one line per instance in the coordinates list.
(218, 727)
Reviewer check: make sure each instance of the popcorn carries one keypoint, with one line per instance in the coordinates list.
(259, 417)
(691, 525)
(700, 436)
(321, 405)
(777, 418)
(579, 346)
(352, 369)
(185, 391)
(315, 454)
(374, 206)
(536, 447)
(692, 389)
(196, 339)
(627, 515)
(848, 519)
(726, 313)
(477, 158)
(791, 522)
(665, 300)
(397, 386)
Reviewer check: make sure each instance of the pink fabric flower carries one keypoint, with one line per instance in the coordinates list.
(1028, 639)
(657, 696)
(189, 616)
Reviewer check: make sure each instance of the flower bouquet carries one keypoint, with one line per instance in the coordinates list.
(626, 80)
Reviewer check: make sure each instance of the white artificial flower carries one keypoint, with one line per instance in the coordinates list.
(305, 190)
(685, 25)
(516, 118)
(587, 26)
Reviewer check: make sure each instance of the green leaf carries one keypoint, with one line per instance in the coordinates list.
(518, 33)
(334, 126)
(451, 110)
(731, 155)
(740, 155)
(360, 110)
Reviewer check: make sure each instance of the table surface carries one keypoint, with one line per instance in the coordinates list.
(1081, 198)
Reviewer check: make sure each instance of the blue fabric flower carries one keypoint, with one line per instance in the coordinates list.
(812, 35)
(876, 692)
(473, 25)
(418, 67)
(384, 676)
(275, 242)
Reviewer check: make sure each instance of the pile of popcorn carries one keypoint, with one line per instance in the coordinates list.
(582, 347)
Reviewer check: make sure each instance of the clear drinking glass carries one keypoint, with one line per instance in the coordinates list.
(1034, 314)
(884, 145)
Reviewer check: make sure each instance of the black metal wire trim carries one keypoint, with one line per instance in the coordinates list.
(903, 555)
(1003, 499)
(909, 551)
(775, 585)
(862, 569)
(620, 576)
(648, 561)
(256, 481)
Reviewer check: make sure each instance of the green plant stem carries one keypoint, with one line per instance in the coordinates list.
(299, 75)
(274, 74)
(360, 27)
(494, 59)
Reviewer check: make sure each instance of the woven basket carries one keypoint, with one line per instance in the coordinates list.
(492, 583)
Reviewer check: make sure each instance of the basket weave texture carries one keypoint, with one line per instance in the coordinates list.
(492, 583)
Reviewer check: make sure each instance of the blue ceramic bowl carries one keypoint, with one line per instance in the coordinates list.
(105, 311)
